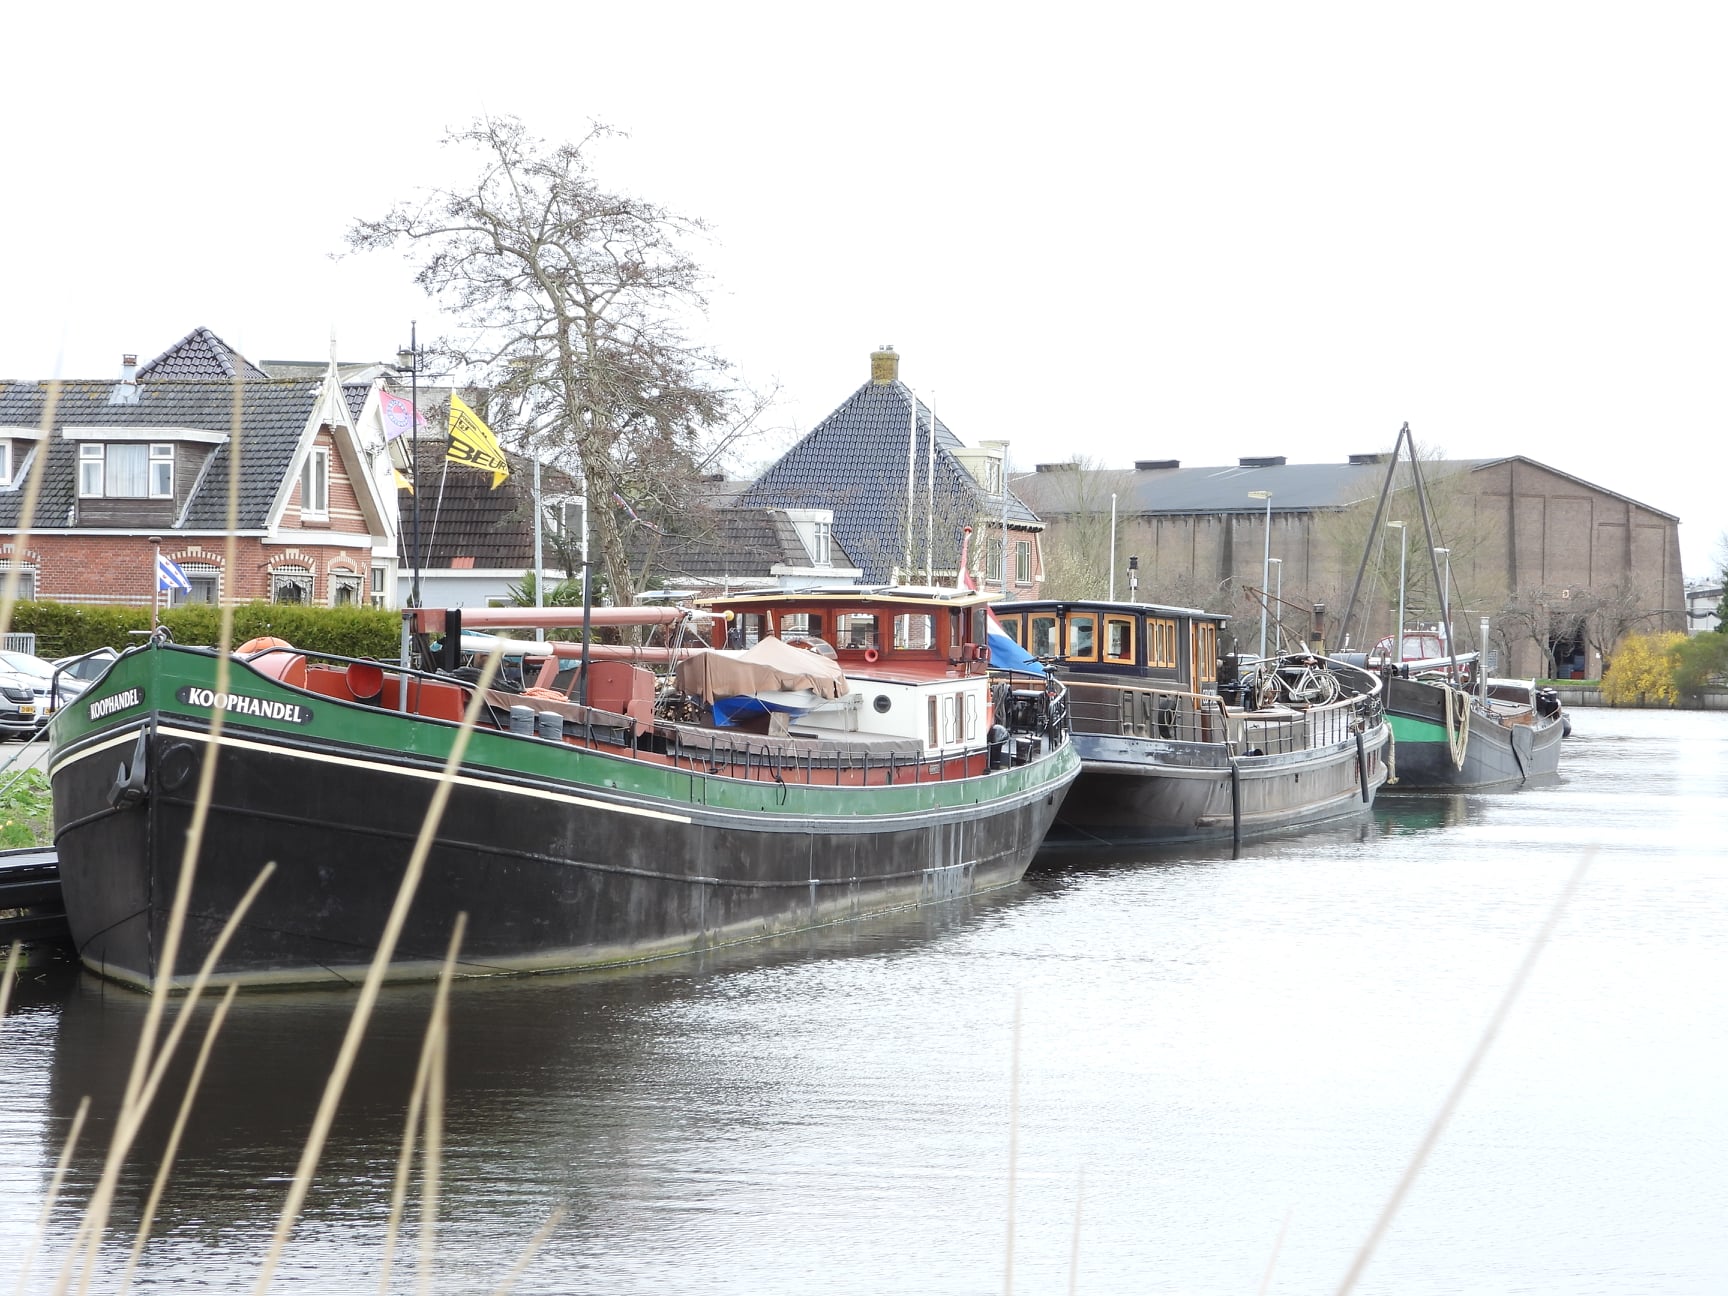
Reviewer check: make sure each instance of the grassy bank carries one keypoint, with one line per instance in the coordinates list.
(26, 810)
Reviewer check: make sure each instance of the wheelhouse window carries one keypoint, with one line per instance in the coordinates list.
(291, 585)
(914, 630)
(315, 483)
(1161, 642)
(1011, 627)
(1043, 636)
(802, 625)
(1206, 652)
(856, 630)
(1083, 638)
(125, 470)
(1119, 640)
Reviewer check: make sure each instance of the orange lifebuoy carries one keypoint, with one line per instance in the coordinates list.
(871, 655)
(260, 644)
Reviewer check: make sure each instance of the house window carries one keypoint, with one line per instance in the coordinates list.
(205, 582)
(1022, 562)
(820, 543)
(290, 585)
(992, 561)
(380, 584)
(344, 589)
(993, 476)
(125, 470)
(5, 463)
(315, 483)
(26, 581)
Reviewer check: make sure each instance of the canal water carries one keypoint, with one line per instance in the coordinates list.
(1186, 1074)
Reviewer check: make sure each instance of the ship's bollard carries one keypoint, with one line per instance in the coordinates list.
(551, 725)
(522, 720)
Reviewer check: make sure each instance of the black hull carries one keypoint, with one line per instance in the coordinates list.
(550, 876)
(1495, 753)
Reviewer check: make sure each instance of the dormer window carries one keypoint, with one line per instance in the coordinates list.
(5, 463)
(126, 470)
(819, 547)
(315, 483)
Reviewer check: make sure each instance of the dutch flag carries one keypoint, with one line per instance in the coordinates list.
(170, 577)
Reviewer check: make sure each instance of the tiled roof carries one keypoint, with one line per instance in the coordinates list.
(201, 355)
(854, 462)
(725, 543)
(355, 394)
(274, 416)
(462, 516)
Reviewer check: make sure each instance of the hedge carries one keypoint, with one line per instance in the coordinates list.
(68, 629)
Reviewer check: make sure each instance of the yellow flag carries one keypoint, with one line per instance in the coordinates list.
(402, 482)
(472, 443)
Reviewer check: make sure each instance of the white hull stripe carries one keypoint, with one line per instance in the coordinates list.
(430, 776)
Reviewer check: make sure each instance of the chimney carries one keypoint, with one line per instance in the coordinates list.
(884, 365)
(125, 391)
(1367, 458)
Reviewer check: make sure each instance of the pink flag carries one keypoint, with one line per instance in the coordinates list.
(399, 415)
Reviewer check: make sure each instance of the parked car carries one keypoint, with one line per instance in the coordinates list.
(48, 692)
(17, 706)
(89, 667)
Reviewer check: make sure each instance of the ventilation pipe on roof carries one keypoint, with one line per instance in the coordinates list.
(126, 390)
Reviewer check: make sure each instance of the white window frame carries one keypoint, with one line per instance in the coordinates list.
(281, 575)
(821, 549)
(26, 580)
(1022, 562)
(161, 470)
(94, 478)
(197, 575)
(5, 462)
(315, 484)
(341, 580)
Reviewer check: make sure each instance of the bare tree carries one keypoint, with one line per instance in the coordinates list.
(574, 300)
(1074, 498)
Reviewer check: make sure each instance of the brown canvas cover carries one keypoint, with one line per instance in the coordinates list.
(772, 665)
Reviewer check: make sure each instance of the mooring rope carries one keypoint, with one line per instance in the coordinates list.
(1457, 724)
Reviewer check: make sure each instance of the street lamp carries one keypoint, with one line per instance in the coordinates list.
(1265, 566)
(409, 359)
(1278, 597)
(1403, 548)
(1445, 557)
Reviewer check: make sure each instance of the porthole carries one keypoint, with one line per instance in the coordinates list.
(882, 703)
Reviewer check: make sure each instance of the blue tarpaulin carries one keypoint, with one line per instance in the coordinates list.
(1007, 655)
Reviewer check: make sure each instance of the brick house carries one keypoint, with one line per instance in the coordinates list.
(149, 456)
(856, 463)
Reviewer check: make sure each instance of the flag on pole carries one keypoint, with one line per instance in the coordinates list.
(399, 415)
(170, 577)
(472, 444)
(402, 482)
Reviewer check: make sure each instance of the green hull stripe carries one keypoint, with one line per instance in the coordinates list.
(1405, 729)
(160, 673)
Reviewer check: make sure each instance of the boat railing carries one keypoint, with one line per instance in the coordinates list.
(1177, 716)
(1037, 722)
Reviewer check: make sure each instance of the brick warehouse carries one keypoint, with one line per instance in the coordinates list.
(149, 456)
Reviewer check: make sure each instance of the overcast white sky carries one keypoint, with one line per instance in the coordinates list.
(1129, 231)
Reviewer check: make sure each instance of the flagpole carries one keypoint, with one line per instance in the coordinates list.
(911, 473)
(155, 581)
(930, 495)
(414, 470)
(539, 521)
